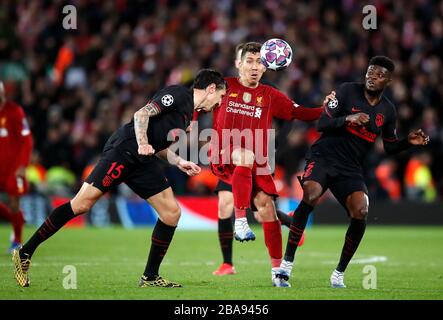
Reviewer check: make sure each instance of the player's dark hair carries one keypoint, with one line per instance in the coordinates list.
(239, 47)
(252, 47)
(207, 76)
(382, 61)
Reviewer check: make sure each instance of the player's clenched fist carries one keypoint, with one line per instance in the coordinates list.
(330, 96)
(418, 137)
(358, 119)
(145, 150)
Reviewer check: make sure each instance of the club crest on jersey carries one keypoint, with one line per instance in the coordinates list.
(167, 100)
(107, 181)
(259, 101)
(247, 97)
(333, 103)
(379, 119)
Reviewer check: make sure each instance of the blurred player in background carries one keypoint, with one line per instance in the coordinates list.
(226, 208)
(15, 152)
(350, 124)
(248, 107)
(128, 157)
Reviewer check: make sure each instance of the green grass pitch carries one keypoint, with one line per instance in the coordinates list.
(109, 262)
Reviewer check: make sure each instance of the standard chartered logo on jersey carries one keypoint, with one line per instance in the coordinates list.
(244, 109)
(209, 146)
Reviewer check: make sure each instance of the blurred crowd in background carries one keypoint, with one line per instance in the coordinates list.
(78, 86)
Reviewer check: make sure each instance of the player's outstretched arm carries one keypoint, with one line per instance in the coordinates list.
(415, 138)
(188, 167)
(306, 114)
(310, 114)
(141, 122)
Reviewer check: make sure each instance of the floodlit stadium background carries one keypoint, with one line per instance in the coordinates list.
(78, 86)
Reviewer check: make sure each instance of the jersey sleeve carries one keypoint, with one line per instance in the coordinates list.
(286, 109)
(389, 132)
(167, 99)
(391, 143)
(281, 105)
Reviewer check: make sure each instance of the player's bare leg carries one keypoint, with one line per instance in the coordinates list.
(169, 214)
(357, 204)
(271, 229)
(225, 232)
(243, 160)
(80, 204)
(312, 192)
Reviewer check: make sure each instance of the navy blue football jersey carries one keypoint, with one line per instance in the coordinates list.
(345, 143)
(176, 106)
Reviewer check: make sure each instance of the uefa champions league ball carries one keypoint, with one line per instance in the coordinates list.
(276, 54)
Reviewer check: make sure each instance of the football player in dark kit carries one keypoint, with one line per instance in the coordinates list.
(130, 156)
(351, 122)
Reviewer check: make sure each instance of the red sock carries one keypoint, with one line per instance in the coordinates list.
(19, 221)
(6, 213)
(242, 189)
(273, 241)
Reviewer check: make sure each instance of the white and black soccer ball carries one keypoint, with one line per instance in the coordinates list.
(276, 54)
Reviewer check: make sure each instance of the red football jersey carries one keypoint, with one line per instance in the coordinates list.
(245, 108)
(15, 139)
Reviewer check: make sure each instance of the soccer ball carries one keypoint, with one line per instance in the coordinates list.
(276, 54)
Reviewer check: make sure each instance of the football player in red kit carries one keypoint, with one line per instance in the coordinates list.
(226, 208)
(238, 151)
(15, 151)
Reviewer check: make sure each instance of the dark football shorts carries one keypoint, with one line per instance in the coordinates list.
(222, 186)
(339, 182)
(117, 165)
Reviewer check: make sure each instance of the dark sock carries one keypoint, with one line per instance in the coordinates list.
(284, 218)
(354, 235)
(296, 229)
(57, 219)
(160, 240)
(226, 236)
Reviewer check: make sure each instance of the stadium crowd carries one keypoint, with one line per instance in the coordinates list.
(78, 86)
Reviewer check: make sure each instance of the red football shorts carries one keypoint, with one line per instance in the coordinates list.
(260, 182)
(14, 186)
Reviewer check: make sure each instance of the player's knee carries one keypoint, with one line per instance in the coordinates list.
(359, 212)
(243, 158)
(81, 207)
(358, 205)
(311, 194)
(265, 207)
(225, 205)
(171, 216)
